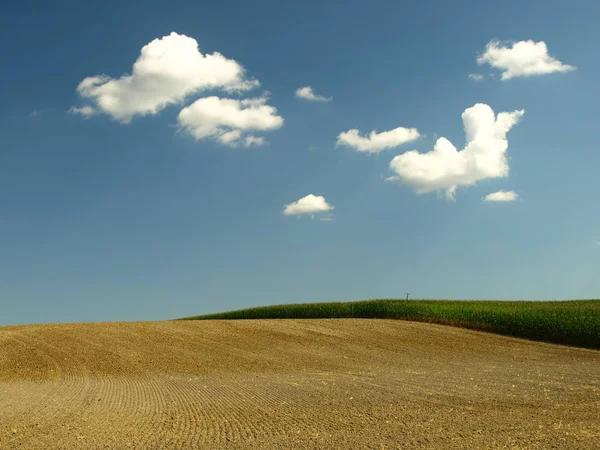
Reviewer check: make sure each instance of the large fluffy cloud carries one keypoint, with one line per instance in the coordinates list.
(167, 70)
(307, 205)
(307, 93)
(445, 168)
(501, 196)
(229, 121)
(375, 142)
(521, 59)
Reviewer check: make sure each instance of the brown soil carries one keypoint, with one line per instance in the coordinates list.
(270, 384)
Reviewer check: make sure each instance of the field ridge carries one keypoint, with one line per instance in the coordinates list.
(570, 322)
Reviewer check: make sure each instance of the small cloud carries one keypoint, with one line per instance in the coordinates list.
(446, 168)
(85, 111)
(307, 93)
(326, 219)
(597, 242)
(307, 205)
(375, 142)
(313, 147)
(476, 76)
(228, 120)
(35, 113)
(501, 196)
(253, 141)
(521, 59)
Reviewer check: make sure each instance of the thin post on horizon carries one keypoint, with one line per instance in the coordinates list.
(407, 296)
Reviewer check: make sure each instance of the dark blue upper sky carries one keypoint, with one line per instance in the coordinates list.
(106, 220)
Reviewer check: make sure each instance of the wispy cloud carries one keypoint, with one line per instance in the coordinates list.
(85, 111)
(476, 76)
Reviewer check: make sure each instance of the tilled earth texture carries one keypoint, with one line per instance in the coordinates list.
(293, 384)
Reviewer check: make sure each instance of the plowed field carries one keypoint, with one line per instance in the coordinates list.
(269, 384)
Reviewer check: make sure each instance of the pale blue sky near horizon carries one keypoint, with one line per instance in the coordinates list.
(106, 221)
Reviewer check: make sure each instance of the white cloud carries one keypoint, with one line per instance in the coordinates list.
(501, 196)
(253, 141)
(228, 120)
(446, 168)
(376, 142)
(307, 205)
(307, 93)
(166, 72)
(230, 138)
(476, 76)
(521, 59)
(85, 111)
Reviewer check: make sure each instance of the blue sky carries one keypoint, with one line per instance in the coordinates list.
(135, 217)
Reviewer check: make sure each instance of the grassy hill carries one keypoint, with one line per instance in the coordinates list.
(574, 322)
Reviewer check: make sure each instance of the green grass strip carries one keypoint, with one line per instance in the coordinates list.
(573, 322)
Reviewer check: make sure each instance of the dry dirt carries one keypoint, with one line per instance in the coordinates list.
(274, 384)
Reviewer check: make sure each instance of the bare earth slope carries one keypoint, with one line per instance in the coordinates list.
(343, 383)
